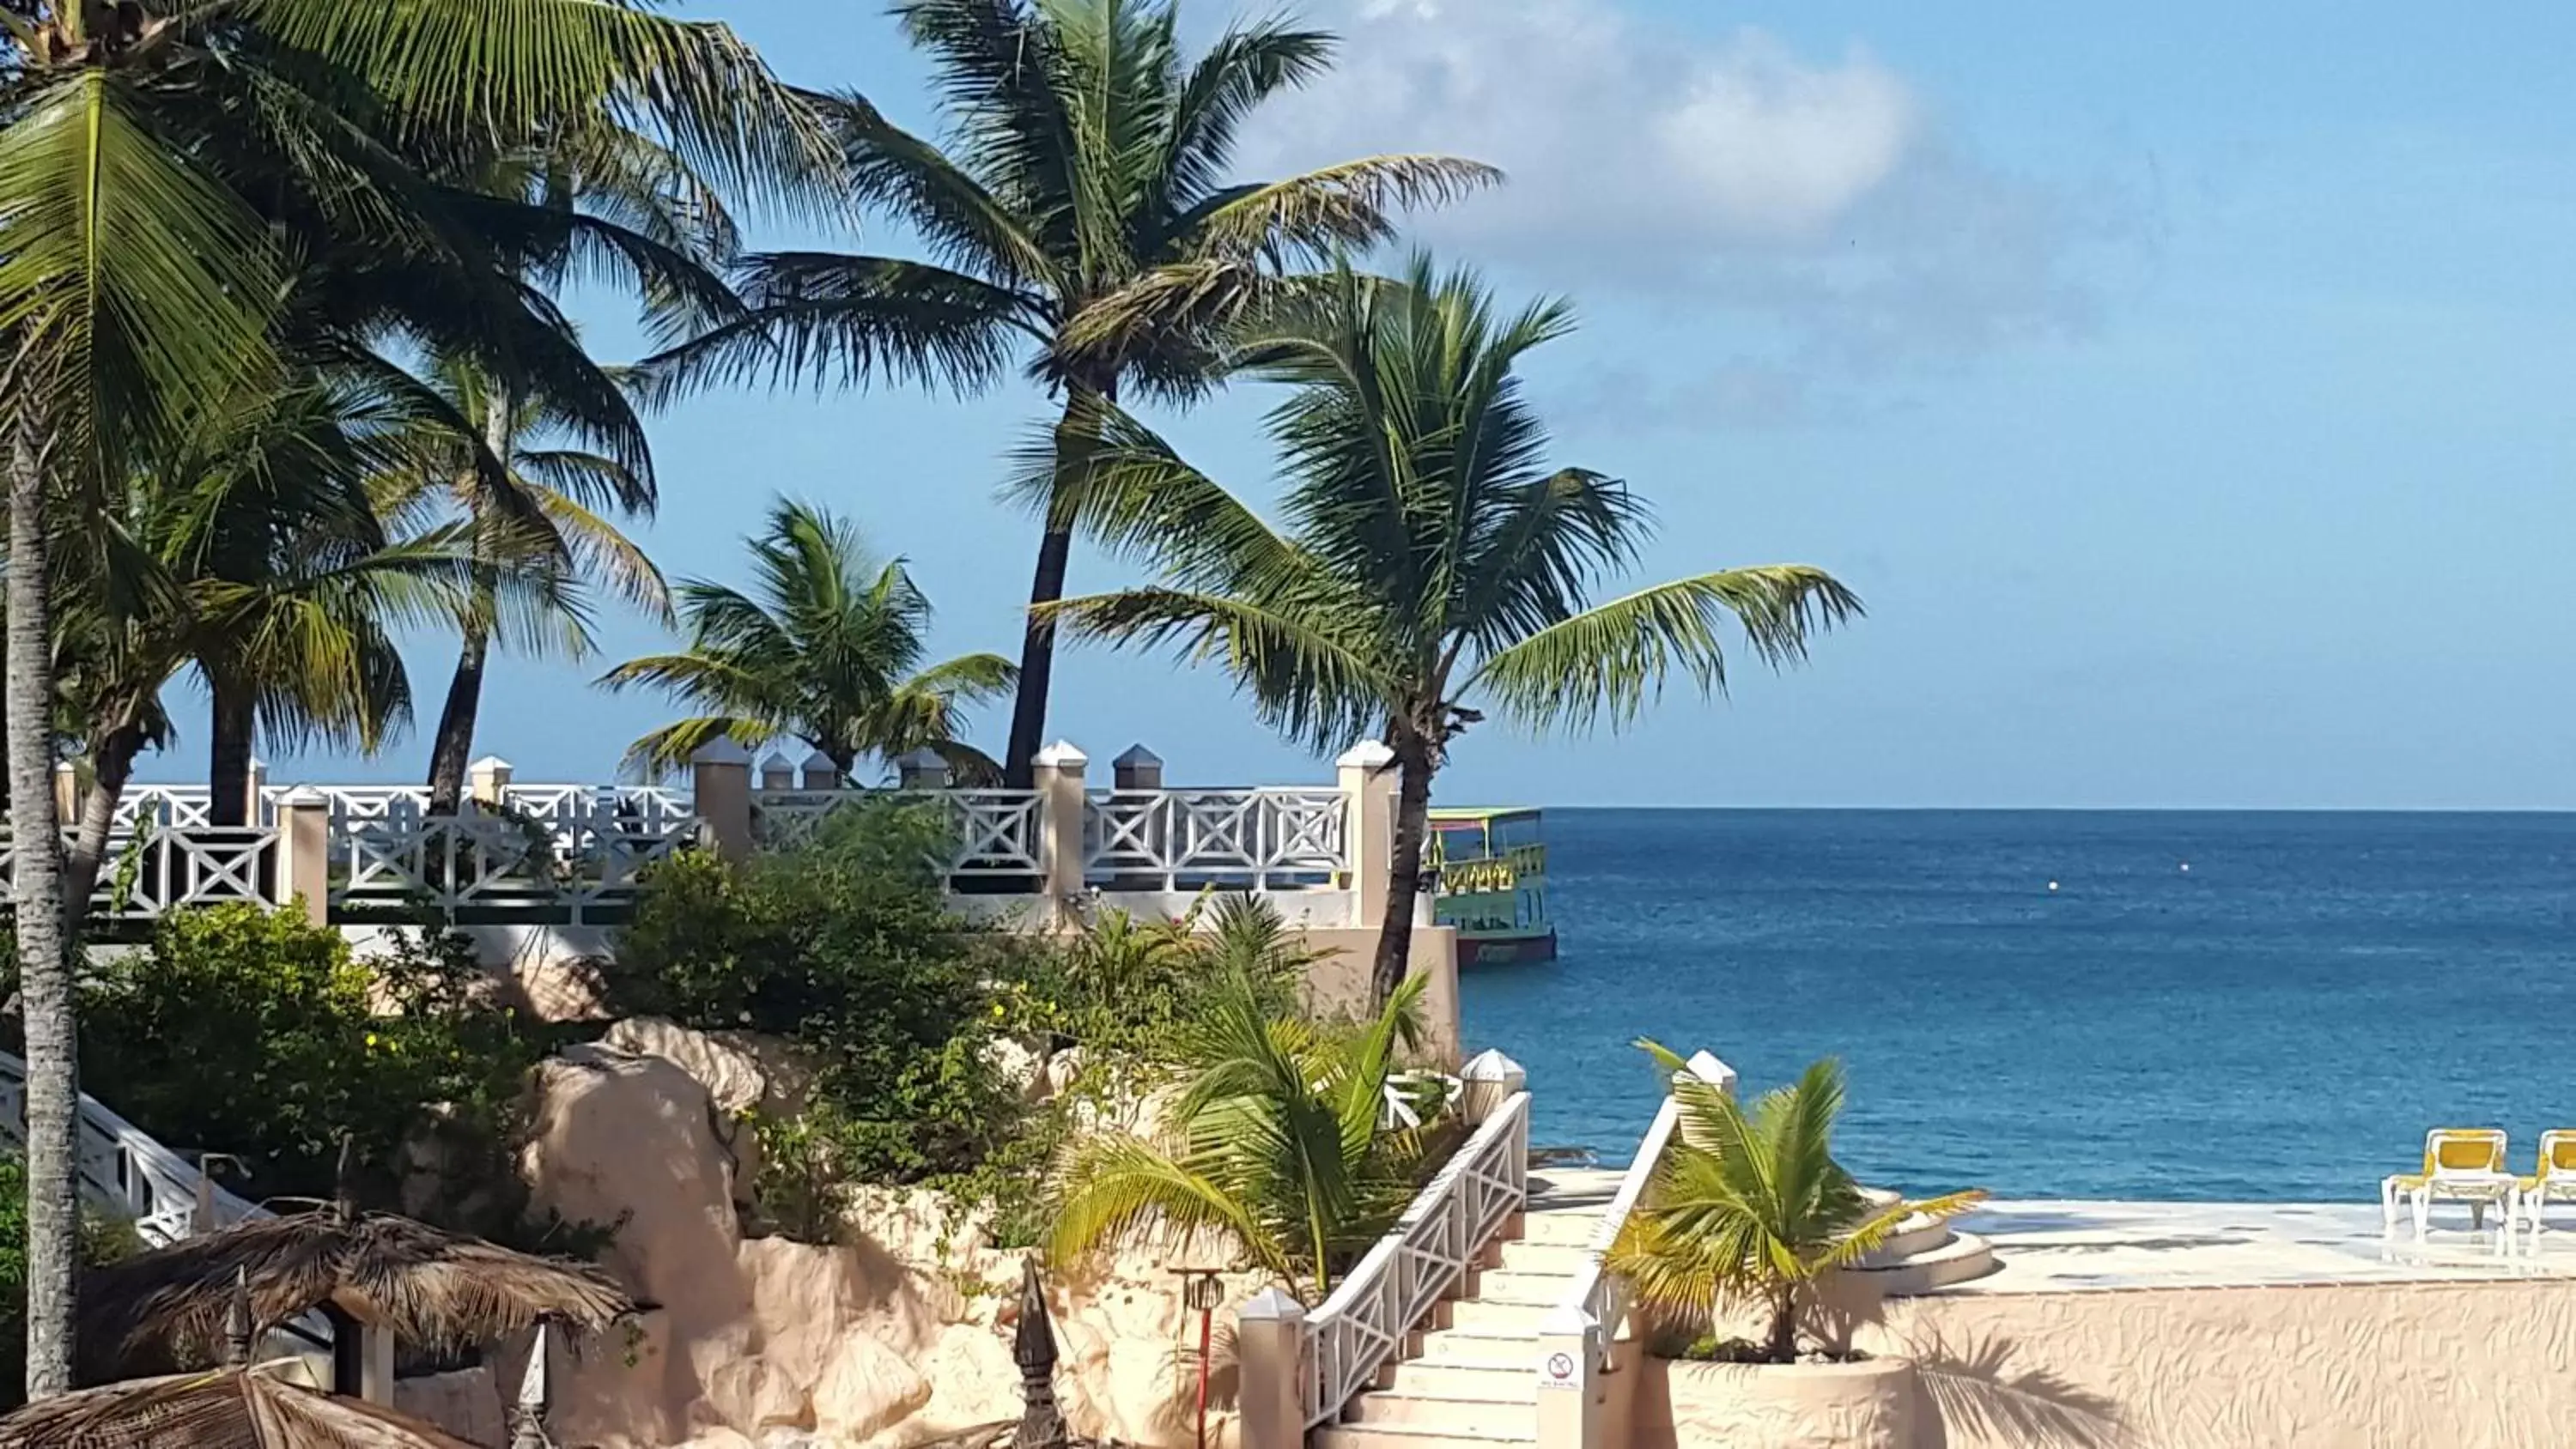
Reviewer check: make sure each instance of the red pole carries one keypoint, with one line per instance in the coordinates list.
(1204, 1315)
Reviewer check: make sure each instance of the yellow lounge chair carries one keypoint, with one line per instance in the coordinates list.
(2554, 1175)
(2461, 1164)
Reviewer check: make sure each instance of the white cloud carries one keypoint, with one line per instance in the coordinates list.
(1817, 194)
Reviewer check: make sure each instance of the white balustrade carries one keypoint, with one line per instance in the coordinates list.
(1260, 839)
(1417, 1264)
(1600, 1297)
(991, 832)
(150, 871)
(551, 852)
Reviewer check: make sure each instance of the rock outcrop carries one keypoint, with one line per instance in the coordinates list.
(895, 1336)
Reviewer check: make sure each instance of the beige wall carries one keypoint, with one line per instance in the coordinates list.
(2463, 1366)
(1339, 983)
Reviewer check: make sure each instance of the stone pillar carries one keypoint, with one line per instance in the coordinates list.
(487, 781)
(776, 773)
(821, 775)
(303, 863)
(1061, 801)
(376, 1368)
(1368, 833)
(1138, 769)
(1269, 1350)
(720, 772)
(923, 769)
(1568, 1416)
(1491, 1079)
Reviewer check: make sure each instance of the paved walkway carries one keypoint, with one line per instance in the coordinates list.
(2059, 1246)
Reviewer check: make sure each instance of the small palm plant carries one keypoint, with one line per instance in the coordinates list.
(1750, 1208)
(1277, 1141)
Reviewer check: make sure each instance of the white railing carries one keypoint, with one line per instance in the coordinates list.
(577, 857)
(143, 1181)
(990, 832)
(149, 874)
(1601, 1297)
(1419, 1261)
(1264, 839)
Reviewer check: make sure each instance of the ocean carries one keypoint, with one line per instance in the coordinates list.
(2280, 1021)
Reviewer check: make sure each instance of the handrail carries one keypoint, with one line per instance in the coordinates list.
(1367, 1318)
(1601, 1297)
(154, 1187)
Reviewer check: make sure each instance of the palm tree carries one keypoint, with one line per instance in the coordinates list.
(1750, 1207)
(1275, 1143)
(164, 168)
(1433, 559)
(1082, 212)
(826, 648)
(544, 512)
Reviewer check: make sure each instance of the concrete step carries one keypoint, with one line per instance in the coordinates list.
(1430, 1411)
(1964, 1257)
(1504, 1285)
(1485, 1315)
(1563, 1227)
(1914, 1236)
(1495, 1380)
(1524, 1256)
(1413, 1436)
(1479, 1344)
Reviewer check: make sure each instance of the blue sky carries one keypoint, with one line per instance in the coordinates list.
(2186, 389)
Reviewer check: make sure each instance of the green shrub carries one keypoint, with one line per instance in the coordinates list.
(104, 1239)
(847, 947)
(255, 1033)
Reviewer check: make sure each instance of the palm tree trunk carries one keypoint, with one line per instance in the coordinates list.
(111, 765)
(1077, 437)
(1404, 872)
(45, 976)
(452, 752)
(234, 728)
(1783, 1344)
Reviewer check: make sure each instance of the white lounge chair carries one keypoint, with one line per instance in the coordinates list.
(2461, 1164)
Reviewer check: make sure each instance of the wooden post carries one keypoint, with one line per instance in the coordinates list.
(1269, 1351)
(303, 863)
(720, 772)
(1061, 802)
(1368, 833)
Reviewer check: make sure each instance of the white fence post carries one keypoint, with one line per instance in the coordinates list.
(1269, 1347)
(1368, 788)
(721, 772)
(303, 865)
(1568, 1343)
(1490, 1080)
(1061, 803)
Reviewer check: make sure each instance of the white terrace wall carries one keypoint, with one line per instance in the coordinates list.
(535, 873)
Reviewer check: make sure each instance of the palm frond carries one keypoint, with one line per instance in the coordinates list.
(1319, 215)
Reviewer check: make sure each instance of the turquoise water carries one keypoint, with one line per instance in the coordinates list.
(2280, 1022)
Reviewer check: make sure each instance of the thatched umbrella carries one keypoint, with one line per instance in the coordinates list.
(239, 1406)
(438, 1290)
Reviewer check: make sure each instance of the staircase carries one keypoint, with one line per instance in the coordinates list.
(1472, 1382)
(1474, 1379)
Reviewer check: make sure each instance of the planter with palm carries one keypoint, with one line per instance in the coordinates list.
(1275, 1143)
(1434, 564)
(827, 647)
(1748, 1209)
(1080, 213)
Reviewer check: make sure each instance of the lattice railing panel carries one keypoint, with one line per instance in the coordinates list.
(1266, 839)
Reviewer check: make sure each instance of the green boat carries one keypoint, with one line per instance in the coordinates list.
(1492, 870)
